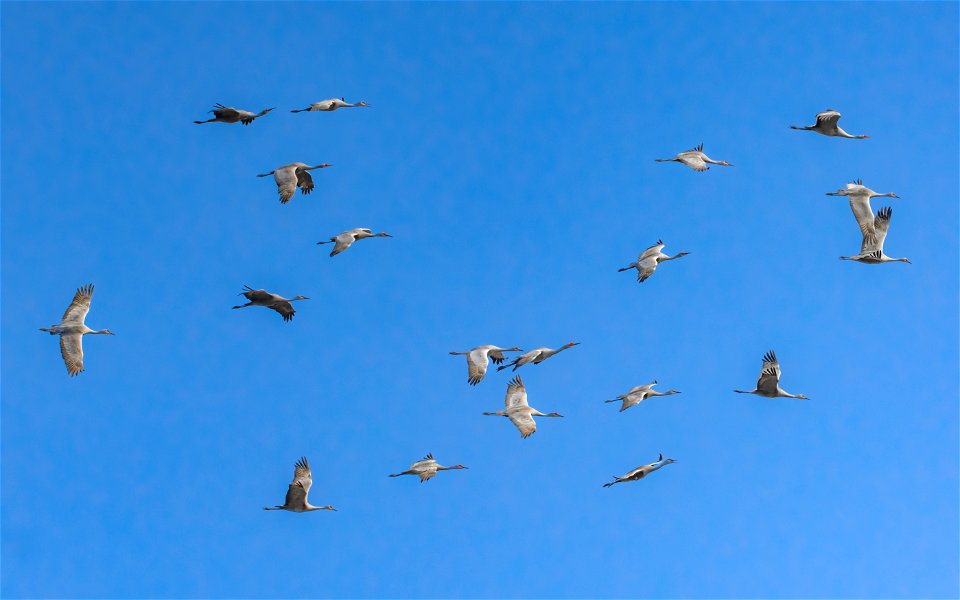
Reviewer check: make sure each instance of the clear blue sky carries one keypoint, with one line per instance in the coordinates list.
(509, 149)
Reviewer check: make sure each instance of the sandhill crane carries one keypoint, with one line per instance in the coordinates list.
(518, 411)
(426, 468)
(347, 238)
(872, 228)
(874, 233)
(695, 159)
(536, 356)
(290, 177)
(641, 472)
(768, 385)
(72, 329)
(827, 125)
(648, 260)
(296, 500)
(272, 301)
(477, 360)
(638, 394)
(226, 114)
(330, 105)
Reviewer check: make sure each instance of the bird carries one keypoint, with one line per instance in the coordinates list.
(638, 394)
(347, 238)
(768, 385)
(72, 329)
(290, 177)
(641, 472)
(272, 301)
(874, 233)
(226, 114)
(477, 360)
(426, 468)
(518, 411)
(827, 125)
(330, 105)
(695, 159)
(535, 356)
(296, 500)
(648, 260)
(872, 228)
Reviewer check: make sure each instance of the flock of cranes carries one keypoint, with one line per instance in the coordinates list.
(873, 228)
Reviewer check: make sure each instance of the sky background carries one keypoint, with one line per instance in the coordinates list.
(509, 149)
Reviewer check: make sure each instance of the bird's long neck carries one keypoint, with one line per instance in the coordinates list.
(784, 393)
(104, 331)
(653, 392)
(664, 257)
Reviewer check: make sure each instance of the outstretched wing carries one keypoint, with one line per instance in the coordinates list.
(286, 183)
(693, 160)
(78, 309)
(769, 373)
(860, 205)
(71, 349)
(874, 242)
(304, 181)
(828, 118)
(525, 423)
(645, 268)
(496, 356)
(284, 308)
(344, 241)
(476, 366)
(226, 113)
(652, 250)
(516, 393)
(300, 487)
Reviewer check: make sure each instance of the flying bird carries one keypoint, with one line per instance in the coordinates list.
(695, 159)
(477, 360)
(330, 105)
(296, 500)
(426, 468)
(346, 239)
(641, 472)
(638, 394)
(272, 301)
(535, 356)
(518, 411)
(72, 329)
(648, 260)
(226, 114)
(872, 228)
(827, 125)
(290, 177)
(768, 385)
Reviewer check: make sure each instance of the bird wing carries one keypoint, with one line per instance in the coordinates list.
(300, 487)
(305, 181)
(652, 250)
(645, 268)
(769, 373)
(284, 308)
(225, 112)
(78, 309)
(516, 393)
(259, 296)
(862, 212)
(694, 160)
(524, 422)
(639, 388)
(344, 241)
(427, 462)
(636, 474)
(476, 366)
(874, 243)
(286, 183)
(828, 117)
(71, 349)
(496, 356)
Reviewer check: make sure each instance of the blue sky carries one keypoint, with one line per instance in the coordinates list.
(509, 149)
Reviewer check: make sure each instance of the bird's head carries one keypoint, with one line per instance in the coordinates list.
(906, 260)
(669, 461)
(458, 467)
(679, 254)
(554, 414)
(301, 298)
(514, 349)
(384, 234)
(802, 396)
(724, 163)
(107, 331)
(572, 344)
(323, 166)
(362, 103)
(328, 507)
